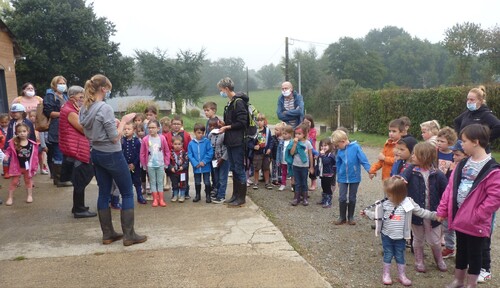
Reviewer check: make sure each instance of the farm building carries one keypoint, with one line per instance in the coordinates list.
(10, 52)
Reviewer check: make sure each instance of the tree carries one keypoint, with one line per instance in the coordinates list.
(4, 5)
(492, 55)
(310, 72)
(464, 42)
(172, 80)
(271, 76)
(234, 68)
(66, 38)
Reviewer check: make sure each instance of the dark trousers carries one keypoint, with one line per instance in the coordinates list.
(469, 252)
(82, 175)
(136, 180)
(326, 184)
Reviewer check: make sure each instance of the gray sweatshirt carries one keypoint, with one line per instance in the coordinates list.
(99, 126)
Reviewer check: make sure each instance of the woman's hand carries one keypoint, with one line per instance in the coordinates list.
(127, 118)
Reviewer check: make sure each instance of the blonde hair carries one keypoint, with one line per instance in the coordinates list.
(395, 187)
(426, 154)
(92, 86)
(262, 116)
(480, 92)
(288, 129)
(53, 83)
(338, 136)
(165, 121)
(449, 134)
(431, 126)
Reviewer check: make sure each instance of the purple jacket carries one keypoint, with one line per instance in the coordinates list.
(474, 217)
(14, 166)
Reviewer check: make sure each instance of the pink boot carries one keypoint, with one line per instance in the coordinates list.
(419, 259)
(472, 280)
(156, 199)
(438, 257)
(458, 281)
(402, 275)
(386, 274)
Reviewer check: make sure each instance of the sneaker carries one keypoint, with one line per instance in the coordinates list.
(269, 186)
(218, 200)
(45, 172)
(230, 174)
(276, 183)
(187, 197)
(448, 253)
(484, 276)
(255, 187)
(181, 199)
(149, 197)
(174, 199)
(282, 187)
(293, 188)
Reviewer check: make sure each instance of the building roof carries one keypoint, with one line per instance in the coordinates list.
(17, 49)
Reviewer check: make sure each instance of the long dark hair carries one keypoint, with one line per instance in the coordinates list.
(17, 141)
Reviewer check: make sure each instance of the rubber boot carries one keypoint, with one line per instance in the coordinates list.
(156, 199)
(296, 199)
(29, 197)
(115, 202)
(351, 206)
(198, 192)
(458, 281)
(242, 194)
(108, 232)
(161, 200)
(305, 202)
(342, 210)
(140, 198)
(419, 259)
(386, 274)
(129, 235)
(323, 199)
(235, 193)
(57, 177)
(208, 190)
(6, 172)
(472, 280)
(438, 257)
(402, 275)
(328, 201)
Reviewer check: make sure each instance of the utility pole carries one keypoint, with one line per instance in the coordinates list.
(286, 60)
(247, 83)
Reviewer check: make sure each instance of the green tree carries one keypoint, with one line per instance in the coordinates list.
(234, 68)
(310, 72)
(4, 5)
(491, 58)
(172, 80)
(271, 76)
(464, 42)
(66, 38)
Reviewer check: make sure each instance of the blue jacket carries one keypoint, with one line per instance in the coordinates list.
(349, 162)
(297, 114)
(398, 167)
(51, 103)
(416, 189)
(200, 151)
(327, 163)
(132, 151)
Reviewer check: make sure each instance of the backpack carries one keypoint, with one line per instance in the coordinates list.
(252, 126)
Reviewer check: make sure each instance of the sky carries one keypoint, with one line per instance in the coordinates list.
(256, 30)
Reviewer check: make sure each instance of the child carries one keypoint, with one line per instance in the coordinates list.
(18, 115)
(299, 157)
(311, 136)
(425, 185)
(446, 137)
(22, 156)
(177, 169)
(40, 140)
(220, 163)
(287, 134)
(165, 128)
(131, 147)
(139, 125)
(406, 123)
(261, 148)
(386, 157)
(402, 152)
(200, 153)
(139, 132)
(155, 156)
(470, 201)
(4, 125)
(430, 130)
(275, 165)
(210, 108)
(350, 158)
(393, 218)
(176, 129)
(327, 171)
(150, 113)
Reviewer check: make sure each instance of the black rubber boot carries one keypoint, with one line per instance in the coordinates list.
(198, 192)
(342, 209)
(350, 213)
(235, 193)
(305, 202)
(208, 190)
(129, 235)
(242, 194)
(296, 199)
(108, 232)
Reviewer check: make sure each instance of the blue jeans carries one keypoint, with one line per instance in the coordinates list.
(353, 190)
(156, 175)
(57, 156)
(206, 178)
(393, 248)
(111, 166)
(236, 161)
(220, 177)
(300, 174)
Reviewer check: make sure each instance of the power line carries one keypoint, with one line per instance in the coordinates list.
(311, 42)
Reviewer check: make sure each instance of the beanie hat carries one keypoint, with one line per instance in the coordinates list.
(410, 142)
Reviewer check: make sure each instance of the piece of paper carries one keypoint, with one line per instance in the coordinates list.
(215, 131)
(183, 177)
(407, 205)
(214, 163)
(27, 165)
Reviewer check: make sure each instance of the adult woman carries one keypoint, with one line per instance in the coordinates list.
(98, 121)
(236, 121)
(76, 148)
(28, 98)
(54, 99)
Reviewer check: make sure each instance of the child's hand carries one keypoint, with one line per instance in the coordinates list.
(311, 170)
(381, 156)
(268, 151)
(362, 213)
(295, 140)
(371, 176)
(131, 167)
(202, 164)
(440, 219)
(256, 147)
(173, 170)
(219, 162)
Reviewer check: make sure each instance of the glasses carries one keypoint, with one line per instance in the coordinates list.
(152, 127)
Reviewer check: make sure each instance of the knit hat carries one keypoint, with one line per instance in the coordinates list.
(410, 142)
(16, 107)
(457, 146)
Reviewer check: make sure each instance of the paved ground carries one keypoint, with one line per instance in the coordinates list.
(189, 245)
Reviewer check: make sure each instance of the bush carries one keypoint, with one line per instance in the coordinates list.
(194, 113)
(140, 105)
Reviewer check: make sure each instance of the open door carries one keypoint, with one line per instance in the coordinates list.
(4, 101)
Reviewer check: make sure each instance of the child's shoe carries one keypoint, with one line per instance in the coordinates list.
(174, 199)
(161, 200)
(181, 199)
(448, 253)
(282, 187)
(484, 276)
(386, 274)
(115, 202)
(276, 183)
(269, 186)
(402, 275)
(155, 199)
(149, 196)
(313, 185)
(328, 201)
(323, 199)
(255, 186)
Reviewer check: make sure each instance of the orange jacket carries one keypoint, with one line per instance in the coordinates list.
(386, 165)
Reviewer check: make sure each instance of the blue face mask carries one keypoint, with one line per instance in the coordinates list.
(108, 94)
(472, 106)
(223, 94)
(61, 88)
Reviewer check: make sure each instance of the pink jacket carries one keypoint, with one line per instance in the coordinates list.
(145, 151)
(14, 166)
(475, 215)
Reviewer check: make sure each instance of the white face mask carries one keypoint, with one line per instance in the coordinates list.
(61, 88)
(29, 93)
(287, 93)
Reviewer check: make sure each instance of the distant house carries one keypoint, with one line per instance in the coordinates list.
(120, 103)
(9, 53)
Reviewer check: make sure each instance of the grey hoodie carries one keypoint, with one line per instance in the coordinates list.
(99, 126)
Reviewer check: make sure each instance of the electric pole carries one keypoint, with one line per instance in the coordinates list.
(286, 60)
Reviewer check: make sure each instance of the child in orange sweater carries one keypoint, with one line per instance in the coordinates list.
(386, 157)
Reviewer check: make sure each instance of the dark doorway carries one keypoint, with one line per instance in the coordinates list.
(4, 101)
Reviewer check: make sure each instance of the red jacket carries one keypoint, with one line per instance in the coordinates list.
(186, 137)
(74, 144)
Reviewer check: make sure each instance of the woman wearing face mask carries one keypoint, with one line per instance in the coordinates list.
(478, 113)
(28, 98)
(290, 105)
(76, 149)
(54, 99)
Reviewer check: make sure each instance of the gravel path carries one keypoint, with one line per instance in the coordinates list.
(348, 256)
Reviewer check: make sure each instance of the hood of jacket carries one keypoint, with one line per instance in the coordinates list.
(242, 96)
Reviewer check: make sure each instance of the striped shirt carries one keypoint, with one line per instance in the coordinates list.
(289, 104)
(469, 174)
(393, 226)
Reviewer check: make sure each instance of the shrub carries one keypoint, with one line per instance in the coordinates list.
(194, 113)
(140, 105)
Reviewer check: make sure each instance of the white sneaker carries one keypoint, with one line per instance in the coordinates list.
(282, 187)
(230, 174)
(484, 276)
(45, 172)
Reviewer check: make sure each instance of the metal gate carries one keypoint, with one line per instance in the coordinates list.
(342, 114)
